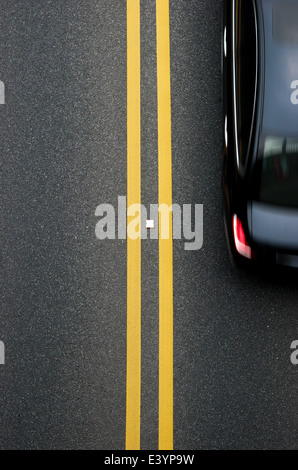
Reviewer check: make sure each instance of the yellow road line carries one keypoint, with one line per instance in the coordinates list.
(133, 372)
(166, 245)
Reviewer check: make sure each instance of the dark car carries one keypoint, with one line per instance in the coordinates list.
(260, 151)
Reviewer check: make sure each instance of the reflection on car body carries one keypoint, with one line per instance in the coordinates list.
(260, 154)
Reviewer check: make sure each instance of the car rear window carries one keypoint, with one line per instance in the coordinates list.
(279, 175)
(285, 21)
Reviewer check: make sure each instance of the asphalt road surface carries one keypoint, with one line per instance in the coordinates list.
(63, 291)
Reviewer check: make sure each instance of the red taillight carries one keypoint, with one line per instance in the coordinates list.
(239, 237)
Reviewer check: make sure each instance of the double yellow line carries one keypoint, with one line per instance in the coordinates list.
(133, 374)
